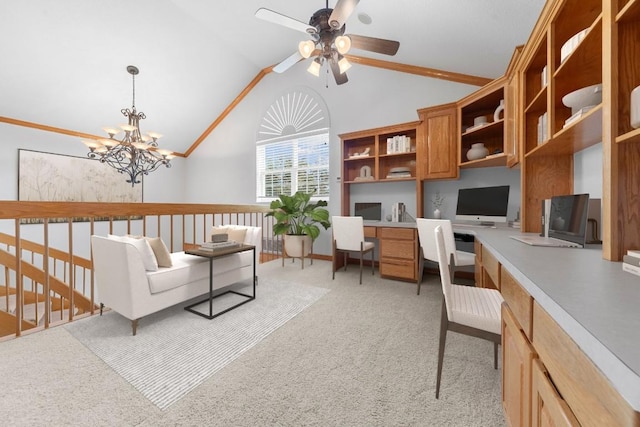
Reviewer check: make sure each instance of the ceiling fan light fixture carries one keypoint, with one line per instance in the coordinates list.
(306, 48)
(343, 44)
(314, 68)
(343, 64)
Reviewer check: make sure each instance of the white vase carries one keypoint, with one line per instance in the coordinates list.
(635, 108)
(500, 109)
(437, 214)
(477, 151)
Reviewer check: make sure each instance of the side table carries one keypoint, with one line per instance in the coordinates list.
(219, 253)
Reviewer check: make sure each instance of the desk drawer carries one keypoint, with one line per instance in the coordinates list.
(396, 233)
(491, 267)
(519, 301)
(398, 269)
(370, 232)
(404, 249)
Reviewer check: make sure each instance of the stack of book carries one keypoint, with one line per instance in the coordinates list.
(631, 262)
(212, 246)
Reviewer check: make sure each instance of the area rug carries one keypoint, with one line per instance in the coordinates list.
(174, 351)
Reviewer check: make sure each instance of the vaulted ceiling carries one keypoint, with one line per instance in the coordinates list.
(64, 62)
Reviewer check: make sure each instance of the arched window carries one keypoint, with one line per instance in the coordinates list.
(292, 146)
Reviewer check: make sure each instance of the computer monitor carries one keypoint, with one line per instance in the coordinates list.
(568, 217)
(368, 211)
(486, 205)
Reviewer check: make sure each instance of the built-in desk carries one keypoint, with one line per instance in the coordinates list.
(397, 248)
(579, 305)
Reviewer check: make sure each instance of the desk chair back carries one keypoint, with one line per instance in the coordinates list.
(348, 236)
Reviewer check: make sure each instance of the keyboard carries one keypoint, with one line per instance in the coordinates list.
(472, 226)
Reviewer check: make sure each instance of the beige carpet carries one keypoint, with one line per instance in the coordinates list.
(362, 355)
(174, 351)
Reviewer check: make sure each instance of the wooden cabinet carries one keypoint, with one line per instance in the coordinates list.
(605, 55)
(438, 150)
(621, 224)
(546, 378)
(398, 252)
(591, 397)
(386, 154)
(482, 103)
(517, 356)
(548, 407)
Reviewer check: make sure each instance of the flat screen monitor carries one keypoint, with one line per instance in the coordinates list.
(568, 217)
(368, 211)
(487, 205)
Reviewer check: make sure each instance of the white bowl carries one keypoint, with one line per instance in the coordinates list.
(590, 95)
(571, 44)
(480, 120)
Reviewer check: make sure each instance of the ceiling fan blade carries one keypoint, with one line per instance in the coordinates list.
(373, 44)
(288, 63)
(341, 12)
(280, 19)
(341, 78)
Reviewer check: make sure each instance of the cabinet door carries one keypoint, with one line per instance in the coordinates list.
(517, 357)
(548, 408)
(439, 150)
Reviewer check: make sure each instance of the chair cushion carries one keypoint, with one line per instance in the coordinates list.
(476, 307)
(465, 258)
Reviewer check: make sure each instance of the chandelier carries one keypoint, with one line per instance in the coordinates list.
(135, 154)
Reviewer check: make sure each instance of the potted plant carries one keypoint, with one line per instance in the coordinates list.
(298, 219)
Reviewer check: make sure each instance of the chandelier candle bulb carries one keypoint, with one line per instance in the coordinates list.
(111, 131)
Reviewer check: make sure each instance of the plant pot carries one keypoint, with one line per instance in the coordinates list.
(437, 214)
(294, 244)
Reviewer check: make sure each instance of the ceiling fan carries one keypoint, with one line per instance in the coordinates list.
(328, 42)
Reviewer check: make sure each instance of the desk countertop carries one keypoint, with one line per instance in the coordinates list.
(592, 299)
(390, 224)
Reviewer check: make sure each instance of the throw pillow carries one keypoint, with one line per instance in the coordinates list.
(236, 234)
(143, 247)
(161, 252)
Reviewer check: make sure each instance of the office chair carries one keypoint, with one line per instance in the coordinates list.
(466, 309)
(348, 236)
(428, 251)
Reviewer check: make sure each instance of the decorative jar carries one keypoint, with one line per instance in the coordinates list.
(477, 151)
(635, 108)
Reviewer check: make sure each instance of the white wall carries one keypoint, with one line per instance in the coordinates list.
(222, 168)
(163, 185)
(224, 164)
